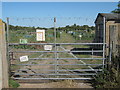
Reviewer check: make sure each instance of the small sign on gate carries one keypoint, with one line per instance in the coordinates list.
(40, 35)
(23, 58)
(48, 47)
(23, 41)
(80, 36)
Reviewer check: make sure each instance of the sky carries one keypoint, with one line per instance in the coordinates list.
(66, 13)
(59, 0)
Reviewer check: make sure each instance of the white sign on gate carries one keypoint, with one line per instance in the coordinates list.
(80, 36)
(47, 47)
(40, 35)
(23, 58)
(23, 41)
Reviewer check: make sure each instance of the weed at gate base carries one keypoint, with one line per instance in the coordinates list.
(13, 83)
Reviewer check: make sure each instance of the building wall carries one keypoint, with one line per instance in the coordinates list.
(99, 32)
(112, 36)
(119, 39)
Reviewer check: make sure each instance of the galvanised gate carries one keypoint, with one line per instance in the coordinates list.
(69, 58)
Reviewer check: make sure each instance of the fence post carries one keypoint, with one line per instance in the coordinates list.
(3, 58)
(104, 40)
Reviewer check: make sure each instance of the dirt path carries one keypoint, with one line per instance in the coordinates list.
(60, 84)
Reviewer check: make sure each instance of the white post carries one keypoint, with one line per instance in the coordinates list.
(55, 45)
(92, 52)
(104, 39)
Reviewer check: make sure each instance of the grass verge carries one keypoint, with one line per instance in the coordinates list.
(13, 83)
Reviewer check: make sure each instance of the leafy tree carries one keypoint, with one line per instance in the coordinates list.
(92, 28)
(118, 9)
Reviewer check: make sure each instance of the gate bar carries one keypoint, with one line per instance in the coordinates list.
(64, 58)
(54, 74)
(57, 44)
(53, 51)
(58, 70)
(52, 78)
(55, 64)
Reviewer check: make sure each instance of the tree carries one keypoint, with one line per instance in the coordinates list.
(118, 9)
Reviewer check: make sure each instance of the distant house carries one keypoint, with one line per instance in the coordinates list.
(111, 24)
(70, 32)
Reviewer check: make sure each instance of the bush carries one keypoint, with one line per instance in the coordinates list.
(108, 78)
(13, 83)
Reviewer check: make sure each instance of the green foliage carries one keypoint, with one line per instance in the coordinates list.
(58, 34)
(34, 63)
(77, 28)
(65, 61)
(109, 78)
(85, 35)
(118, 9)
(13, 83)
(24, 47)
(21, 32)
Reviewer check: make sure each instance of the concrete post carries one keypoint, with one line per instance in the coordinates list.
(3, 58)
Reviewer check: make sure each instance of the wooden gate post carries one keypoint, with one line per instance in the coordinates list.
(3, 58)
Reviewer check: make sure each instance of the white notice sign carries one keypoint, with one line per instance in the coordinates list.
(40, 35)
(80, 36)
(23, 58)
(47, 47)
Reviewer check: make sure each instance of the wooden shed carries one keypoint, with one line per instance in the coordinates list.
(109, 22)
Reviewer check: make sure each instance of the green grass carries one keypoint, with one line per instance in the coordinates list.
(83, 56)
(90, 61)
(13, 83)
(65, 38)
(34, 63)
(86, 37)
(51, 63)
(65, 55)
(66, 61)
(34, 55)
(14, 67)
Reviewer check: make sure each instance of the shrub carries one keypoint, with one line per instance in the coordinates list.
(13, 83)
(108, 78)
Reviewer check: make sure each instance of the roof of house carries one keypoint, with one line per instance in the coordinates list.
(109, 16)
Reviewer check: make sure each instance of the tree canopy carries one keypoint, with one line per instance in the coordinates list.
(73, 27)
(118, 9)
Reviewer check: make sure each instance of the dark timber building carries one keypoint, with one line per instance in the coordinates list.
(111, 24)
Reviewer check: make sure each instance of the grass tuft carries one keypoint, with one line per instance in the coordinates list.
(13, 83)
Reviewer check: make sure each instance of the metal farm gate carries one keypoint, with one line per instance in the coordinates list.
(65, 57)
